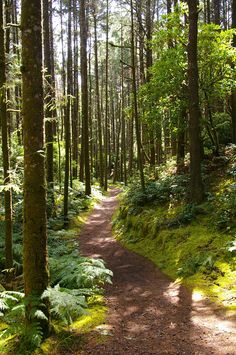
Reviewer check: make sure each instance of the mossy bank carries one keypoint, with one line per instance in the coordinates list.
(192, 244)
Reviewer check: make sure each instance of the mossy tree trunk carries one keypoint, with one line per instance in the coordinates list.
(196, 186)
(75, 105)
(233, 97)
(35, 257)
(98, 106)
(49, 103)
(84, 86)
(5, 148)
(149, 61)
(135, 100)
(67, 119)
(106, 99)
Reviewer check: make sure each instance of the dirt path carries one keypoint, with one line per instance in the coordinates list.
(148, 313)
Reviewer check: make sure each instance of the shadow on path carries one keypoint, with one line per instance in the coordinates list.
(148, 312)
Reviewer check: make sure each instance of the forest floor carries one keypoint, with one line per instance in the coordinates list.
(148, 313)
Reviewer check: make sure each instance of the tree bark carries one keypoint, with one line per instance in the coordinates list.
(196, 186)
(67, 119)
(49, 109)
(35, 258)
(233, 96)
(216, 6)
(135, 102)
(5, 150)
(84, 87)
(75, 105)
(106, 99)
(98, 106)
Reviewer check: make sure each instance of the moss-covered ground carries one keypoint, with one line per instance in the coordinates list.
(194, 245)
(62, 243)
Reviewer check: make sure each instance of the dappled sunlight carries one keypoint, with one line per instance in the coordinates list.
(172, 292)
(197, 296)
(144, 304)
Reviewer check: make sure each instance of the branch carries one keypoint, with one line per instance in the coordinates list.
(126, 64)
(13, 25)
(118, 46)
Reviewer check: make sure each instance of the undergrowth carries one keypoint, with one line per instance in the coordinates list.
(75, 281)
(195, 244)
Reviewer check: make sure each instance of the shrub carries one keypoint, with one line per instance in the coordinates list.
(73, 271)
(160, 192)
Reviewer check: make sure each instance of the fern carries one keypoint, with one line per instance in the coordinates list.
(30, 336)
(12, 305)
(66, 305)
(72, 272)
(9, 298)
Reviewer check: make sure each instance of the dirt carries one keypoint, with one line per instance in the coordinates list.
(148, 313)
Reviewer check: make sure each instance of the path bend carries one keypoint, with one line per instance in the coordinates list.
(147, 312)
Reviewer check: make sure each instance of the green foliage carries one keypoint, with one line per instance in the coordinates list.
(80, 277)
(166, 189)
(12, 306)
(66, 305)
(186, 216)
(194, 243)
(164, 98)
(191, 265)
(8, 301)
(73, 271)
(225, 208)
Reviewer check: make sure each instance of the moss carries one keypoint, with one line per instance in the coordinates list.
(7, 345)
(195, 254)
(72, 337)
(96, 316)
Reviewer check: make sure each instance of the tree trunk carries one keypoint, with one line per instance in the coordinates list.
(49, 110)
(67, 119)
(181, 141)
(106, 98)
(196, 186)
(5, 149)
(169, 6)
(123, 126)
(75, 106)
(135, 102)
(208, 9)
(35, 259)
(216, 5)
(16, 51)
(84, 87)
(233, 97)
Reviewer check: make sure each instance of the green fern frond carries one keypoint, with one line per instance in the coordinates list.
(3, 305)
(64, 305)
(38, 314)
(74, 271)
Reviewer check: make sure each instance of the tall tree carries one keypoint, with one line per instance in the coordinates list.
(5, 148)
(216, 13)
(75, 105)
(67, 119)
(49, 102)
(84, 89)
(98, 106)
(106, 98)
(194, 109)
(35, 257)
(233, 97)
(135, 101)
